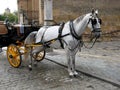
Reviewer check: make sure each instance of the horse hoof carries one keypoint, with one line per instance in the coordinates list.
(75, 73)
(75, 76)
(30, 69)
(71, 76)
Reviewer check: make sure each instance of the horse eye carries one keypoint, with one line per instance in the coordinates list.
(100, 21)
(94, 21)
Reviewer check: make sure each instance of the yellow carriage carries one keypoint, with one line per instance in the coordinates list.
(11, 38)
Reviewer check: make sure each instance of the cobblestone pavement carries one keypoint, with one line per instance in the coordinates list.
(102, 60)
(104, 57)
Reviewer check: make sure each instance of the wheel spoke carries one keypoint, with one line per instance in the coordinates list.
(39, 56)
(13, 55)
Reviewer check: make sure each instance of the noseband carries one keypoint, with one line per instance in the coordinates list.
(93, 22)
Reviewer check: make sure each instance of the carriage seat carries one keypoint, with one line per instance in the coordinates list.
(3, 29)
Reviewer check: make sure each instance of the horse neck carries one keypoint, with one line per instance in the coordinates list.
(80, 25)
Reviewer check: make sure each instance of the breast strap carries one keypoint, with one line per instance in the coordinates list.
(60, 34)
(72, 30)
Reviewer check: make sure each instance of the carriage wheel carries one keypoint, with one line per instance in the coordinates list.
(14, 56)
(39, 56)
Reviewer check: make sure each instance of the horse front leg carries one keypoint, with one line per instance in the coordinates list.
(71, 62)
(69, 66)
(75, 73)
(72, 59)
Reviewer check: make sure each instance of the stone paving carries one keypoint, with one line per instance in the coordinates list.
(49, 76)
(103, 60)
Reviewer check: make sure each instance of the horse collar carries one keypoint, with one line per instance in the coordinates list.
(60, 34)
(72, 30)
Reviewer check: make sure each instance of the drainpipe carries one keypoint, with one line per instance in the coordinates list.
(48, 12)
(21, 16)
(40, 13)
(48, 15)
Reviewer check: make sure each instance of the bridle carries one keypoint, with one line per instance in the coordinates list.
(93, 22)
(75, 35)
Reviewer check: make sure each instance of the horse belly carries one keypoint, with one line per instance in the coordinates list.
(51, 33)
(55, 45)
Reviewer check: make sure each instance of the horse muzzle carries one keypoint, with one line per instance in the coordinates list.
(97, 33)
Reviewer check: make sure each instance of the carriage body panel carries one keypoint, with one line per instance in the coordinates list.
(11, 35)
(3, 29)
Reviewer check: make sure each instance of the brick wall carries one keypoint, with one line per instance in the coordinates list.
(64, 10)
(30, 9)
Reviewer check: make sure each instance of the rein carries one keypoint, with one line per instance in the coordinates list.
(86, 46)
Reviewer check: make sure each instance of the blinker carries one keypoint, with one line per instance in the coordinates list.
(94, 21)
(100, 21)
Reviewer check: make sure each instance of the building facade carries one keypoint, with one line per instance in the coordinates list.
(64, 10)
(7, 11)
(29, 9)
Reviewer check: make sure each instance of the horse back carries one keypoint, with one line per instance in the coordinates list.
(47, 33)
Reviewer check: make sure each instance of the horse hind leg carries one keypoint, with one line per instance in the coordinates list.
(34, 61)
(29, 40)
(26, 56)
(73, 67)
(30, 60)
(30, 54)
(35, 51)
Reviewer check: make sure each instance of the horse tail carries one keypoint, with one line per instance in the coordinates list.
(29, 40)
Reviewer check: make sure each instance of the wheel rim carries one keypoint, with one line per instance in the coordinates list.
(39, 56)
(13, 55)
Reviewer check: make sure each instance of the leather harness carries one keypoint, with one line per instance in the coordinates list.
(60, 36)
(72, 32)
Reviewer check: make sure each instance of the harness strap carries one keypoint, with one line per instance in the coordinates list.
(43, 37)
(60, 34)
(91, 45)
(47, 43)
(72, 30)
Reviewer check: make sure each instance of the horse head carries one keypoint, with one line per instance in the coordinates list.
(95, 23)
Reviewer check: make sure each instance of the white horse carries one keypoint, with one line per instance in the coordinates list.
(71, 41)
